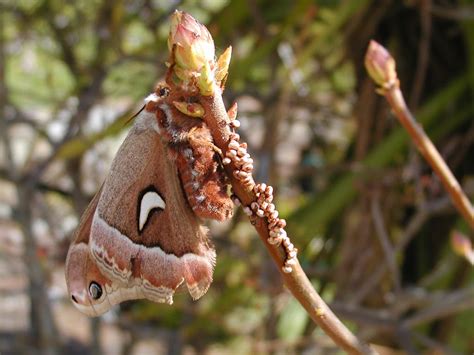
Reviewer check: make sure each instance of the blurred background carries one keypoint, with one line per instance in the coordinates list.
(371, 221)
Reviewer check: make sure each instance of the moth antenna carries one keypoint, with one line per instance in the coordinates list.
(211, 145)
(135, 115)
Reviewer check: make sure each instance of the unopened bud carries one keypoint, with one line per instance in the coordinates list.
(380, 65)
(462, 245)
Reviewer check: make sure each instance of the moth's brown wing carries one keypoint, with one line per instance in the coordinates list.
(81, 269)
(143, 230)
(74, 264)
(83, 275)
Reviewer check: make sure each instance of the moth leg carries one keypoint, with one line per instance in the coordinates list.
(204, 180)
(195, 139)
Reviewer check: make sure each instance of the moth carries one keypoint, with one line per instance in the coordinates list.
(142, 235)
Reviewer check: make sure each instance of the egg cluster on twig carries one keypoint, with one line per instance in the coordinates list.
(238, 155)
(263, 207)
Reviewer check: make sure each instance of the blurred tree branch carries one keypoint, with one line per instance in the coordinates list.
(43, 331)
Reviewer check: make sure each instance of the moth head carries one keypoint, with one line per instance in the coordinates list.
(88, 288)
(162, 89)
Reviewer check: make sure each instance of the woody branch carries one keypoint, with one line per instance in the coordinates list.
(194, 72)
(381, 67)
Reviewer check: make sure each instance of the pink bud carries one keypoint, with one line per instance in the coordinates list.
(193, 43)
(380, 65)
(462, 245)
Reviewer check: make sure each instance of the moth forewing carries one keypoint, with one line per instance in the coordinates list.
(142, 237)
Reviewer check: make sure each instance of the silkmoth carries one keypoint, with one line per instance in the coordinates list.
(142, 236)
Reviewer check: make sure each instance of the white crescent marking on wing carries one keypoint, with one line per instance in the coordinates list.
(149, 201)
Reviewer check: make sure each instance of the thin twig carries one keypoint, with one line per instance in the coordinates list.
(382, 234)
(431, 154)
(455, 13)
(436, 346)
(381, 67)
(296, 281)
(189, 73)
(379, 319)
(423, 53)
(446, 305)
(425, 211)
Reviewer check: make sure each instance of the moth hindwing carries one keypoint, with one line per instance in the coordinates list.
(139, 238)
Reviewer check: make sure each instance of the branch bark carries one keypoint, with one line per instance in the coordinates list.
(296, 281)
(194, 75)
(430, 153)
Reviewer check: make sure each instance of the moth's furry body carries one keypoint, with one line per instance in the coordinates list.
(191, 146)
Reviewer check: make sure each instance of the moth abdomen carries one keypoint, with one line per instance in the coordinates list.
(190, 144)
(204, 183)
